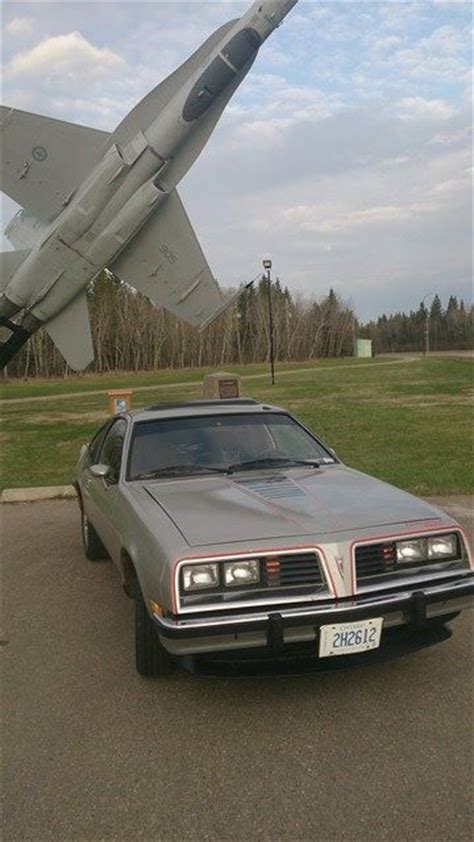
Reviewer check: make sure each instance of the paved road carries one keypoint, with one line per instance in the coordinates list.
(93, 752)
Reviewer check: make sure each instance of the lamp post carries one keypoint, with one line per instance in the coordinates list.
(427, 326)
(267, 265)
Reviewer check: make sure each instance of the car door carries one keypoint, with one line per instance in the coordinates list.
(90, 456)
(90, 452)
(103, 493)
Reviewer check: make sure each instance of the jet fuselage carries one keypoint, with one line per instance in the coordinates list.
(132, 179)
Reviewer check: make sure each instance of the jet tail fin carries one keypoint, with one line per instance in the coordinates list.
(10, 261)
(71, 333)
(69, 330)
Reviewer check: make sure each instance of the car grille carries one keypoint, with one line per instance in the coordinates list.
(288, 570)
(282, 576)
(375, 559)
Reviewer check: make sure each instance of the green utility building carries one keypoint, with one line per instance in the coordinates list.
(362, 347)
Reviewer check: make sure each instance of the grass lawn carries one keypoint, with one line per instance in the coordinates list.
(81, 383)
(407, 420)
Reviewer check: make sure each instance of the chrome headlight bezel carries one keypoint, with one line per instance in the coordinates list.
(451, 543)
(266, 588)
(252, 565)
(422, 550)
(191, 572)
(411, 551)
(219, 575)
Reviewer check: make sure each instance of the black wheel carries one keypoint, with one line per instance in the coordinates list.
(151, 658)
(93, 546)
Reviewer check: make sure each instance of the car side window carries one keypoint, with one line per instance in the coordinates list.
(96, 444)
(112, 448)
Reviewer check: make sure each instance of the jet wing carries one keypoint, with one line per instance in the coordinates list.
(44, 160)
(166, 263)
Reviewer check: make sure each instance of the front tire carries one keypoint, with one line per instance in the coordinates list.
(151, 658)
(93, 546)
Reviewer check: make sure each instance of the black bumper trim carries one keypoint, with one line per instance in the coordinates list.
(413, 606)
(246, 663)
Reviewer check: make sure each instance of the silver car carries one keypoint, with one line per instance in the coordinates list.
(241, 536)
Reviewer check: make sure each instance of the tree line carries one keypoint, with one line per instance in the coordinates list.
(449, 328)
(130, 334)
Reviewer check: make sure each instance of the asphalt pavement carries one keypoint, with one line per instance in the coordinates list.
(94, 752)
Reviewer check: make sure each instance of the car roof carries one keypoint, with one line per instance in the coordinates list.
(188, 409)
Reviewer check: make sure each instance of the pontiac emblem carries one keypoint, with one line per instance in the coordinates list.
(340, 566)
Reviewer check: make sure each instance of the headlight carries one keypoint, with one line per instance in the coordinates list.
(437, 547)
(241, 573)
(200, 576)
(410, 551)
(442, 546)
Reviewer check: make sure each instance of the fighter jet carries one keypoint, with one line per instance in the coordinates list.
(94, 200)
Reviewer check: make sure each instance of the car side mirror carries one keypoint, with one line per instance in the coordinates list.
(100, 471)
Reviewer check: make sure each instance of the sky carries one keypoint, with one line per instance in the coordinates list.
(345, 154)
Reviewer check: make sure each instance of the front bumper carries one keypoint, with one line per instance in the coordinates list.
(276, 629)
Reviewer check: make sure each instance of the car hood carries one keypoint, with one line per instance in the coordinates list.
(226, 509)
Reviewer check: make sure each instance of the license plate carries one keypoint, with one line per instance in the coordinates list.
(349, 638)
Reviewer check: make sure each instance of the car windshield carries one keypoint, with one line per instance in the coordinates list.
(190, 445)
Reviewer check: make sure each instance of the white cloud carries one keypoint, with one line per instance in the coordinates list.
(419, 108)
(445, 39)
(63, 57)
(325, 219)
(442, 55)
(401, 15)
(396, 161)
(387, 42)
(451, 137)
(271, 98)
(19, 26)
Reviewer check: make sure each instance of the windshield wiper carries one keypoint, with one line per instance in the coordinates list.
(271, 461)
(176, 470)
